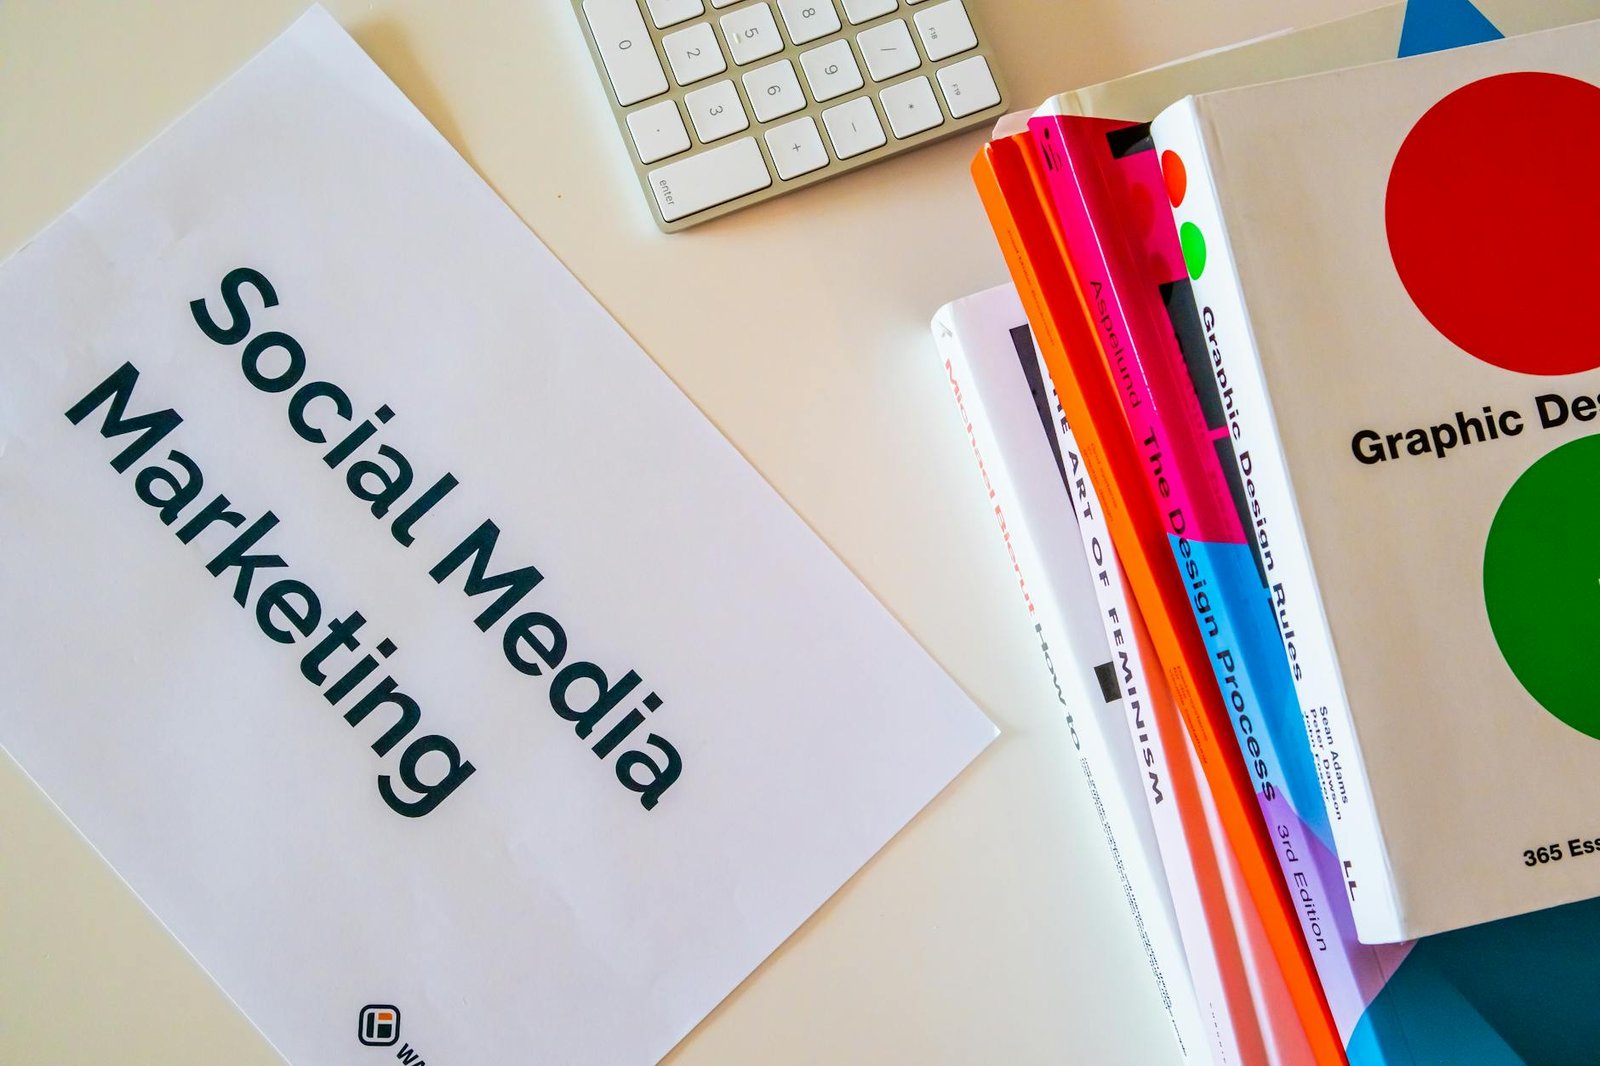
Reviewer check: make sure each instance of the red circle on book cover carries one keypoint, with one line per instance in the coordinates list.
(1493, 219)
(1176, 176)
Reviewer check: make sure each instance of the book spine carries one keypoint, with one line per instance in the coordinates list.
(1097, 749)
(1274, 527)
(1285, 1038)
(1182, 473)
(1178, 802)
(1011, 192)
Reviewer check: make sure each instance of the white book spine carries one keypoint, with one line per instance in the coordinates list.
(1103, 754)
(1125, 638)
(1275, 526)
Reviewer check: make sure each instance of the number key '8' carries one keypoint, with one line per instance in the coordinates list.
(808, 20)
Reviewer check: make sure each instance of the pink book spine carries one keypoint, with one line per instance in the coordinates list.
(1142, 355)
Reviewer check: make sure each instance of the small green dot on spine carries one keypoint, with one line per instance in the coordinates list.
(1193, 243)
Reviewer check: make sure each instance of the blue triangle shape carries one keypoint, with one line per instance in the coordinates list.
(1434, 25)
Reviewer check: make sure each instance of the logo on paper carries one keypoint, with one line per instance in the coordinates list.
(379, 1025)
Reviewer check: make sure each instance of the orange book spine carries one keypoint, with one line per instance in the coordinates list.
(1012, 194)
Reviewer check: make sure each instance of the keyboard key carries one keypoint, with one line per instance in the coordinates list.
(716, 111)
(720, 4)
(888, 50)
(666, 13)
(945, 30)
(911, 107)
(968, 87)
(774, 91)
(809, 19)
(703, 181)
(859, 11)
(658, 131)
(693, 53)
(831, 70)
(796, 148)
(625, 49)
(854, 127)
(751, 33)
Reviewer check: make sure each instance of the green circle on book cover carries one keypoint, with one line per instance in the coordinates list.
(1541, 582)
(1193, 243)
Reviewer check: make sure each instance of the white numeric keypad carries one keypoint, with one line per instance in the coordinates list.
(728, 102)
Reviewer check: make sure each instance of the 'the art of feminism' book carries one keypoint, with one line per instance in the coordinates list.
(981, 340)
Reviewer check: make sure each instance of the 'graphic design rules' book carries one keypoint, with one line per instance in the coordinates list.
(1396, 306)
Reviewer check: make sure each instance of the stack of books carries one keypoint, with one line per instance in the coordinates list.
(1285, 425)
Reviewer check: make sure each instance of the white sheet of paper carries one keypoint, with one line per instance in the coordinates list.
(540, 911)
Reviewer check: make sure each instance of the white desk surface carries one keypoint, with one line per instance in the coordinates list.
(990, 931)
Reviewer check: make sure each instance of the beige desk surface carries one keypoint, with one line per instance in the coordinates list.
(991, 930)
